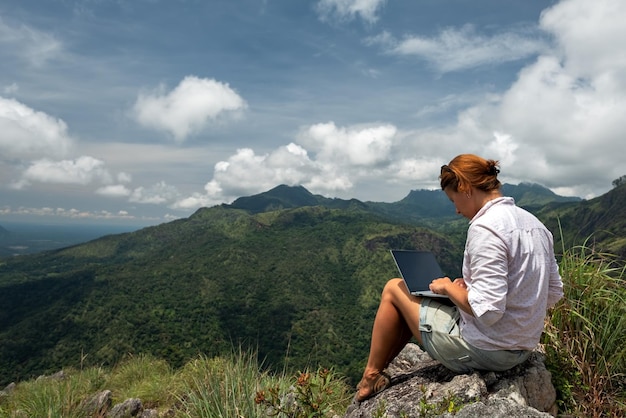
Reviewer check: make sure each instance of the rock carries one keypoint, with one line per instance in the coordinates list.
(97, 404)
(421, 386)
(8, 389)
(499, 408)
(127, 409)
(60, 375)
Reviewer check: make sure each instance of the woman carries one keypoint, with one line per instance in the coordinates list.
(510, 278)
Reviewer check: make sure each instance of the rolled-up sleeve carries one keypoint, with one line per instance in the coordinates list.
(555, 286)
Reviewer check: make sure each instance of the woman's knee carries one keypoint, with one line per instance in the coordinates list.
(395, 288)
(393, 285)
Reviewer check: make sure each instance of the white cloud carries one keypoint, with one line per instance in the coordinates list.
(195, 201)
(114, 190)
(83, 170)
(584, 90)
(124, 177)
(359, 146)
(455, 49)
(26, 133)
(246, 172)
(188, 108)
(72, 213)
(349, 9)
(28, 44)
(590, 35)
(159, 193)
(413, 170)
(340, 157)
(560, 122)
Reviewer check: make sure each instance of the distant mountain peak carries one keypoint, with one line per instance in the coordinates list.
(280, 197)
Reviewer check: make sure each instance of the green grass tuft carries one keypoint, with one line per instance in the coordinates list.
(585, 338)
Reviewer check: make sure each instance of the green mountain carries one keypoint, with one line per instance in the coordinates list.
(296, 276)
(598, 222)
(299, 283)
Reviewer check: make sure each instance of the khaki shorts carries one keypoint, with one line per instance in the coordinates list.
(442, 340)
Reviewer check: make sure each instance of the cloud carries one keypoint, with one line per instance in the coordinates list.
(28, 44)
(157, 194)
(456, 49)
(67, 213)
(124, 177)
(347, 10)
(336, 158)
(589, 36)
(560, 122)
(11, 88)
(83, 170)
(188, 108)
(114, 190)
(26, 133)
(356, 146)
(584, 89)
(246, 172)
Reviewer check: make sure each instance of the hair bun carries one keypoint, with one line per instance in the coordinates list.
(493, 168)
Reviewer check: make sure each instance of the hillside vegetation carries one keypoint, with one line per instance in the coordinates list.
(584, 352)
(300, 282)
(294, 276)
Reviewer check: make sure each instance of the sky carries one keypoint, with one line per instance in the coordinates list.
(143, 111)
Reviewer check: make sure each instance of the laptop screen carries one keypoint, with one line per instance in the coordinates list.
(418, 269)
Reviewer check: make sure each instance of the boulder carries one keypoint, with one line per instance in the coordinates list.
(127, 409)
(421, 386)
(97, 404)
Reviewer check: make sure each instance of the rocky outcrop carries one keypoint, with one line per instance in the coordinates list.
(421, 386)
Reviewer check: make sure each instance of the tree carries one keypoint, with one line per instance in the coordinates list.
(618, 182)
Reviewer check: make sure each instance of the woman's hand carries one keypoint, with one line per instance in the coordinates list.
(456, 290)
(460, 282)
(440, 286)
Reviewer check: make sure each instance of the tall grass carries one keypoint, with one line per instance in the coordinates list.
(150, 379)
(235, 387)
(230, 386)
(55, 397)
(585, 338)
(221, 387)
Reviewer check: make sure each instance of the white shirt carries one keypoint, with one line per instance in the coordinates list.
(511, 275)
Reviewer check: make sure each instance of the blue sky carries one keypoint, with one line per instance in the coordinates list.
(143, 111)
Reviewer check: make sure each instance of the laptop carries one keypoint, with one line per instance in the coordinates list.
(418, 269)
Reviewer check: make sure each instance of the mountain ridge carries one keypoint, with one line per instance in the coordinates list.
(418, 204)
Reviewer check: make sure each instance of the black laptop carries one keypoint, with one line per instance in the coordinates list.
(418, 269)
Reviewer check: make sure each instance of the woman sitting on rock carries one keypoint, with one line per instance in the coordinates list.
(510, 278)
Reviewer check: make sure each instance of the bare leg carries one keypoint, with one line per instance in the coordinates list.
(397, 320)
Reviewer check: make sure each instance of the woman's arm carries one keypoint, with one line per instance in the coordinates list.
(455, 290)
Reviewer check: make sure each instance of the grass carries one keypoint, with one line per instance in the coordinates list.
(585, 338)
(231, 386)
(585, 342)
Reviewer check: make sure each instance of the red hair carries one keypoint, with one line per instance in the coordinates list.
(468, 170)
